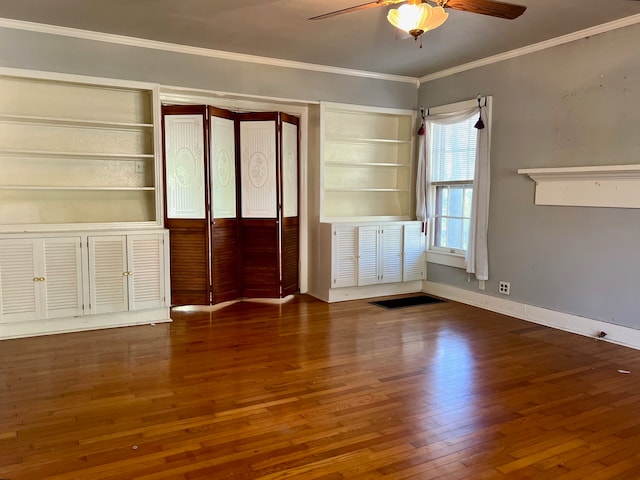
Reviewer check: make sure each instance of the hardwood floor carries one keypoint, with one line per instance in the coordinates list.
(307, 390)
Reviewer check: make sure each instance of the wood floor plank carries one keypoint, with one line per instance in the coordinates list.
(309, 390)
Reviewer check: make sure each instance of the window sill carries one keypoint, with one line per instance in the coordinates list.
(443, 258)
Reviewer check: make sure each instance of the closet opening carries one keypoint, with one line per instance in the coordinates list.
(231, 203)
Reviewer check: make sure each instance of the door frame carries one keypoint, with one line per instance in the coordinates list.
(248, 103)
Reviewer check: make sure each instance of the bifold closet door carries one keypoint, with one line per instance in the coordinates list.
(259, 180)
(186, 201)
(231, 200)
(290, 227)
(269, 197)
(225, 244)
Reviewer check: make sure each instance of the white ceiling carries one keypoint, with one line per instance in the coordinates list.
(361, 40)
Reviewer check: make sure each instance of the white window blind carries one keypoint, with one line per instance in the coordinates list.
(453, 151)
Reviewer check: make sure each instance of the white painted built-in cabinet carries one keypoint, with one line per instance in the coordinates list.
(365, 241)
(372, 259)
(54, 283)
(81, 239)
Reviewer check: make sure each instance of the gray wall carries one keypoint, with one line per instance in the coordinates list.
(53, 53)
(571, 105)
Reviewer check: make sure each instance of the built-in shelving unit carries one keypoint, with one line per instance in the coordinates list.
(367, 159)
(81, 239)
(73, 154)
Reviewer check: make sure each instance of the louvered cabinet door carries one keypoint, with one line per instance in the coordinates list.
(390, 253)
(344, 271)
(62, 274)
(19, 283)
(368, 271)
(108, 274)
(145, 260)
(413, 253)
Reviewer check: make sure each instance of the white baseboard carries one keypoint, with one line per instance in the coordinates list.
(370, 291)
(86, 322)
(588, 327)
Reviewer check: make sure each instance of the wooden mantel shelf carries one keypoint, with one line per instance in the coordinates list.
(616, 186)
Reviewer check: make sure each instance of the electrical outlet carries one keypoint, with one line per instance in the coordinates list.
(481, 284)
(504, 287)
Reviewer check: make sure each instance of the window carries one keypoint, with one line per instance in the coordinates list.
(452, 151)
(457, 214)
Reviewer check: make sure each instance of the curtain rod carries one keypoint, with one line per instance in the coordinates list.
(479, 98)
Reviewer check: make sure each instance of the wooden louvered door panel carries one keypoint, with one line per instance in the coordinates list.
(260, 259)
(20, 298)
(260, 254)
(368, 237)
(390, 268)
(344, 268)
(290, 253)
(62, 272)
(145, 267)
(289, 168)
(225, 270)
(108, 274)
(225, 243)
(186, 202)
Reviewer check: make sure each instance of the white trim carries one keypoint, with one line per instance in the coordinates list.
(86, 322)
(536, 47)
(171, 47)
(365, 110)
(444, 258)
(589, 172)
(73, 78)
(592, 186)
(618, 334)
(189, 50)
(196, 96)
(370, 291)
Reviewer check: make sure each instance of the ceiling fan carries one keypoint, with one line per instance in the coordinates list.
(418, 16)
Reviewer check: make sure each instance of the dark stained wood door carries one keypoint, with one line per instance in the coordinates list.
(225, 244)
(269, 172)
(290, 203)
(260, 200)
(186, 200)
(231, 203)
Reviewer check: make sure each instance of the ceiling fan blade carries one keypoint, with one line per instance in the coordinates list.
(364, 6)
(488, 7)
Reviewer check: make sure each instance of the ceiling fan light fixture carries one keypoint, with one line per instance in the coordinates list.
(417, 19)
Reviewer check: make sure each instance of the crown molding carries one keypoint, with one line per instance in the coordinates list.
(536, 47)
(189, 50)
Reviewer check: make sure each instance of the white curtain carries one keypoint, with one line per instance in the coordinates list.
(477, 258)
